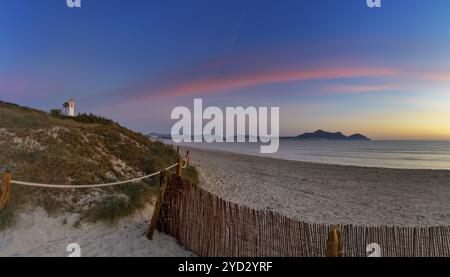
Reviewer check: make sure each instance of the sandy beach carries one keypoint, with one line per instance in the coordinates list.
(315, 193)
(331, 194)
(35, 234)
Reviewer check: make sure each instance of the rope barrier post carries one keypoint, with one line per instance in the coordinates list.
(157, 209)
(180, 167)
(161, 177)
(334, 243)
(5, 190)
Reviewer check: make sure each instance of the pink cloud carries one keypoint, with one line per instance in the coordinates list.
(23, 87)
(14, 84)
(350, 89)
(436, 76)
(220, 84)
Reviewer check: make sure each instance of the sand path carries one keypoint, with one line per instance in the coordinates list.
(36, 234)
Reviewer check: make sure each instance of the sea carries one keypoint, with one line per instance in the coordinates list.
(375, 153)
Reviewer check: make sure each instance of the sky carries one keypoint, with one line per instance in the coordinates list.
(335, 65)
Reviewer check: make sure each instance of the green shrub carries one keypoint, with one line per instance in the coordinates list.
(124, 202)
(92, 119)
(55, 113)
(191, 174)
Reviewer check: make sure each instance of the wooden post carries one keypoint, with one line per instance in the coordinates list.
(180, 167)
(188, 158)
(334, 244)
(157, 209)
(4, 190)
(161, 178)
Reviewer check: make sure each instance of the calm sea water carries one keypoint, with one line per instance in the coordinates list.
(391, 154)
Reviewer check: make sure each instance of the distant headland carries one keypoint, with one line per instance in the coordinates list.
(324, 135)
(317, 135)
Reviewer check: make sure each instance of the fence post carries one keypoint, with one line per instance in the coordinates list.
(334, 243)
(188, 158)
(4, 190)
(180, 167)
(161, 177)
(157, 208)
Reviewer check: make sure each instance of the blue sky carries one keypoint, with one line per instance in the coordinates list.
(335, 65)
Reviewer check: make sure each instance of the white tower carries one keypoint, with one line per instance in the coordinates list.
(71, 107)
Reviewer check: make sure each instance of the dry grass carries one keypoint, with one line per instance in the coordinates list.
(37, 147)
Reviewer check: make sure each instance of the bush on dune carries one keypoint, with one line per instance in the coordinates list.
(86, 149)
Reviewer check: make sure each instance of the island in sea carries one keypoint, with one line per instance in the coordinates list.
(324, 135)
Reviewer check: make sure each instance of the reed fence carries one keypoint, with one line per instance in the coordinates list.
(210, 226)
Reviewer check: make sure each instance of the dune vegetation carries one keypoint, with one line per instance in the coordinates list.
(44, 148)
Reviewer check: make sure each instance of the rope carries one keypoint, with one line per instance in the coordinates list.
(29, 184)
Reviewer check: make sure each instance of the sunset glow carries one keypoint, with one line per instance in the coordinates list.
(383, 72)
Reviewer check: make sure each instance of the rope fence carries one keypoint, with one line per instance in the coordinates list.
(7, 181)
(95, 185)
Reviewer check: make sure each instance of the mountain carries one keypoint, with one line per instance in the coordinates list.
(38, 147)
(358, 137)
(324, 135)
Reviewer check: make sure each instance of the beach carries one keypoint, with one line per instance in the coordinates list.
(326, 193)
(35, 234)
(310, 192)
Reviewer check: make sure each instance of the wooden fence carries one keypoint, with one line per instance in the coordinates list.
(211, 226)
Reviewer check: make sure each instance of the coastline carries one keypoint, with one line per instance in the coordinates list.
(327, 193)
(375, 153)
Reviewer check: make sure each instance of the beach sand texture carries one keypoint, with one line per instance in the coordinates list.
(35, 234)
(332, 194)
